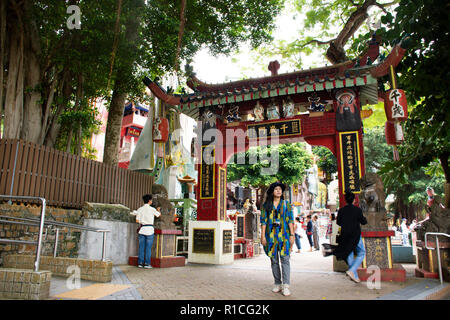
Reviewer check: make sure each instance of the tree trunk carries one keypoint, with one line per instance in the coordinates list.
(14, 87)
(2, 55)
(54, 126)
(112, 136)
(336, 52)
(32, 108)
(113, 127)
(69, 140)
(444, 163)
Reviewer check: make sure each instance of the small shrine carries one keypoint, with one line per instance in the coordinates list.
(133, 121)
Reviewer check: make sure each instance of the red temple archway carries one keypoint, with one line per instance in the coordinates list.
(321, 106)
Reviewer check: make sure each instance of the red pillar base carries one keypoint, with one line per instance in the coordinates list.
(396, 274)
(422, 273)
(167, 262)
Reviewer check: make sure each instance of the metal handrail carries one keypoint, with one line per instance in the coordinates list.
(437, 249)
(41, 225)
(41, 222)
(53, 223)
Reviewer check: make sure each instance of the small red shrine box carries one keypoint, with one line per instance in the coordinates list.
(160, 129)
(395, 105)
(393, 132)
(248, 248)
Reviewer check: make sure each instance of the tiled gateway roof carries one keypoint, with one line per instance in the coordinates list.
(347, 74)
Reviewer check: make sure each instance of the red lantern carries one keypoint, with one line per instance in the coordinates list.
(393, 132)
(395, 105)
(160, 129)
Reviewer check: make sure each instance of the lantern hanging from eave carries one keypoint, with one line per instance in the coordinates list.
(395, 105)
(160, 129)
(393, 132)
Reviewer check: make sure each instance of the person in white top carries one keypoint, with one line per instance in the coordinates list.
(298, 233)
(405, 233)
(145, 215)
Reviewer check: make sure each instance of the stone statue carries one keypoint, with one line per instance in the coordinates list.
(161, 199)
(438, 221)
(371, 202)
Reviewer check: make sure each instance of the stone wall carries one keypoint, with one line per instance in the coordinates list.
(24, 284)
(121, 241)
(68, 238)
(99, 271)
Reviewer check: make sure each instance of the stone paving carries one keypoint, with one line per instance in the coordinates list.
(312, 278)
(251, 279)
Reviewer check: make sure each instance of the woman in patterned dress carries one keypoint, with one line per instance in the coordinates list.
(277, 235)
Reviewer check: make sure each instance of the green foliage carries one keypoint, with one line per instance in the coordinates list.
(376, 151)
(378, 118)
(72, 120)
(318, 23)
(327, 161)
(424, 75)
(293, 161)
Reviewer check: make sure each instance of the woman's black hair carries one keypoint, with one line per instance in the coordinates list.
(268, 204)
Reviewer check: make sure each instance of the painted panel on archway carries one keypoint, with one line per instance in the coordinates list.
(274, 129)
(350, 161)
(227, 241)
(207, 173)
(203, 241)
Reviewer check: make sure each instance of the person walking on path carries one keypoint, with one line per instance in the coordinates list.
(145, 215)
(298, 233)
(277, 235)
(315, 223)
(332, 229)
(405, 233)
(309, 232)
(350, 218)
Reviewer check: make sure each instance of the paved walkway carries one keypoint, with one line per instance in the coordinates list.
(312, 278)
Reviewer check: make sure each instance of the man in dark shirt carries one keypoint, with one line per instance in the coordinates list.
(350, 218)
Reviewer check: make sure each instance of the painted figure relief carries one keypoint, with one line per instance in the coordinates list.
(288, 108)
(273, 111)
(314, 105)
(258, 111)
(348, 116)
(233, 114)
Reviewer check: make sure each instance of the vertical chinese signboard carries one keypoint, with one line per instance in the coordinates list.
(207, 173)
(350, 161)
(222, 194)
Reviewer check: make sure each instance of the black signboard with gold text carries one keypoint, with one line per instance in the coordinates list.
(203, 241)
(227, 241)
(273, 129)
(207, 174)
(222, 194)
(350, 161)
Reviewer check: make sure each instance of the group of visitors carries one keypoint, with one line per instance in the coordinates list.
(279, 231)
(311, 226)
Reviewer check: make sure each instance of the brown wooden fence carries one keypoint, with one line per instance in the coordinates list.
(66, 180)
